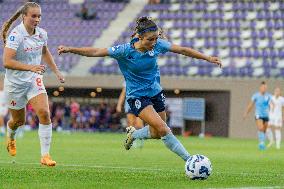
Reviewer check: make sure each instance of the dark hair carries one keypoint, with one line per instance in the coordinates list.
(263, 83)
(146, 24)
(22, 10)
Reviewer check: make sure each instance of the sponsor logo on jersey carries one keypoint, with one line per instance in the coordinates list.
(130, 57)
(33, 48)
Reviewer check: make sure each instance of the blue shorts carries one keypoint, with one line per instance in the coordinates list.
(139, 103)
(127, 108)
(264, 119)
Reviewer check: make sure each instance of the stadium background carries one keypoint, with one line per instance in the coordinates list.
(246, 35)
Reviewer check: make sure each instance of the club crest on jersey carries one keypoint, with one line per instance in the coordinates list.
(151, 53)
(13, 103)
(12, 38)
(137, 104)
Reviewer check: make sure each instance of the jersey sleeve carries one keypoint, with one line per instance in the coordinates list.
(253, 98)
(116, 51)
(282, 101)
(14, 40)
(45, 37)
(163, 46)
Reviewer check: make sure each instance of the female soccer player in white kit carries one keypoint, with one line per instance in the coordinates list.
(276, 118)
(24, 49)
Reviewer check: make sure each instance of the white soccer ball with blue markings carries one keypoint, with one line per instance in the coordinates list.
(198, 167)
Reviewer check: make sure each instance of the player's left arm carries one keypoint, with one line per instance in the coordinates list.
(271, 105)
(194, 54)
(48, 59)
(282, 107)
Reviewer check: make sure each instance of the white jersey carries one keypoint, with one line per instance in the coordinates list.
(28, 51)
(276, 113)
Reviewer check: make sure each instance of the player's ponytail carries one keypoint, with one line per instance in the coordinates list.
(146, 24)
(7, 24)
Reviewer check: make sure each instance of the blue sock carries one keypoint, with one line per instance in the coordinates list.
(261, 137)
(175, 146)
(143, 133)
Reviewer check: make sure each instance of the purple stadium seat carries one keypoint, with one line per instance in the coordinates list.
(69, 30)
(209, 25)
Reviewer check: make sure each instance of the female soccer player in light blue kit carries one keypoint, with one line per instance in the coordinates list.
(138, 63)
(262, 101)
(25, 47)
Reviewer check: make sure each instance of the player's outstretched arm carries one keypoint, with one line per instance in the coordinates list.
(83, 51)
(48, 59)
(195, 54)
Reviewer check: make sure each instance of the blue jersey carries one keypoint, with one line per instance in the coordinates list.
(140, 69)
(261, 104)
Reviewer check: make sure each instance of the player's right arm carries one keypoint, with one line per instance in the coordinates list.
(10, 62)
(120, 100)
(248, 109)
(84, 51)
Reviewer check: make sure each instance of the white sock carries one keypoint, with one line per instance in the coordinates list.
(45, 134)
(278, 138)
(269, 134)
(11, 133)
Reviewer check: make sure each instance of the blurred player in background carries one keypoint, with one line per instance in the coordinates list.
(3, 111)
(25, 47)
(138, 63)
(132, 120)
(275, 118)
(262, 101)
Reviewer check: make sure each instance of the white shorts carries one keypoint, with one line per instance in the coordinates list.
(18, 96)
(275, 122)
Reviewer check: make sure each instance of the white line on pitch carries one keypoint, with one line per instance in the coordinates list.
(89, 166)
(255, 187)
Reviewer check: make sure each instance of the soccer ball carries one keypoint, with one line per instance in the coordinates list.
(198, 167)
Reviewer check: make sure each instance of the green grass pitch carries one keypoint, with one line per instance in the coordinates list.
(88, 160)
